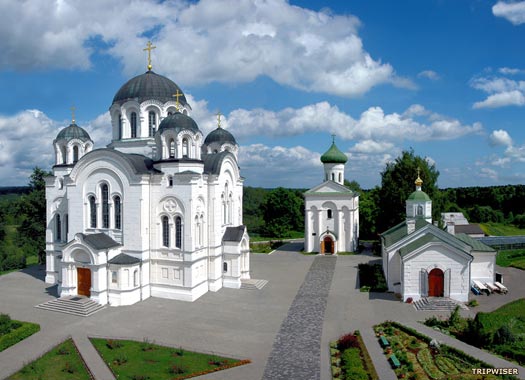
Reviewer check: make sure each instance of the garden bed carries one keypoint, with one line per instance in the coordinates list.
(350, 360)
(60, 363)
(424, 359)
(12, 331)
(129, 359)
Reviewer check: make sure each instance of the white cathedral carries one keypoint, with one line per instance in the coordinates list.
(158, 212)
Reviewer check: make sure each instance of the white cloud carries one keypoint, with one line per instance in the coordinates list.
(429, 74)
(500, 137)
(513, 11)
(502, 92)
(370, 146)
(510, 71)
(220, 40)
(488, 173)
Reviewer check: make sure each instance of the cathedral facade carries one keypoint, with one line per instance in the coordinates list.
(158, 212)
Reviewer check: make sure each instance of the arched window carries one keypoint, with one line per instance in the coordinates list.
(92, 212)
(136, 278)
(75, 154)
(178, 232)
(172, 148)
(184, 147)
(201, 241)
(170, 181)
(104, 191)
(333, 177)
(170, 113)
(230, 209)
(63, 152)
(118, 213)
(419, 210)
(165, 231)
(340, 177)
(119, 126)
(133, 125)
(225, 267)
(224, 210)
(329, 213)
(58, 228)
(152, 122)
(67, 225)
(197, 231)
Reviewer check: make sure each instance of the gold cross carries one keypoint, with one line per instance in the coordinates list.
(418, 172)
(149, 48)
(219, 119)
(177, 96)
(72, 114)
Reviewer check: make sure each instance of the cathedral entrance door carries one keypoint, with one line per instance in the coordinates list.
(436, 280)
(84, 282)
(328, 246)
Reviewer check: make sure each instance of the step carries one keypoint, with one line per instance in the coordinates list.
(80, 306)
(253, 284)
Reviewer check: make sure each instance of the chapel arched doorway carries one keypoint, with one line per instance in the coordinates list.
(327, 246)
(436, 281)
(84, 282)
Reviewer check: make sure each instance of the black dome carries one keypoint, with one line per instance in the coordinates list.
(73, 131)
(220, 136)
(178, 122)
(149, 86)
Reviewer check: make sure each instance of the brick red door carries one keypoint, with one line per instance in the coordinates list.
(436, 280)
(84, 282)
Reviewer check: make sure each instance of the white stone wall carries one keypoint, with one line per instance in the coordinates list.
(483, 266)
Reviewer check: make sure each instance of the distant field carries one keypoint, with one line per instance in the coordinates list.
(500, 229)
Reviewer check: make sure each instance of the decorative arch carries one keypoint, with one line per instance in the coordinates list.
(327, 243)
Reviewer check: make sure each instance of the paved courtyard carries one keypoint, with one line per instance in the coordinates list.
(245, 324)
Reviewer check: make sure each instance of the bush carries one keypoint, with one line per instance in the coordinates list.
(25, 330)
(347, 341)
(504, 336)
(352, 365)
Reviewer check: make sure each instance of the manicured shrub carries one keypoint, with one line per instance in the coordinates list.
(352, 365)
(347, 341)
(25, 330)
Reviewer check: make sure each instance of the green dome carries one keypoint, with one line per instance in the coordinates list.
(334, 156)
(220, 136)
(149, 86)
(419, 195)
(178, 122)
(73, 132)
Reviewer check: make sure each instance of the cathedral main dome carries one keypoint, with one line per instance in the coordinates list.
(149, 86)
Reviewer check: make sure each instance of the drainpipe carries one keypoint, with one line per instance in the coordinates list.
(107, 277)
(140, 278)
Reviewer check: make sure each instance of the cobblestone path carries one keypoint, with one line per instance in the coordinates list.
(296, 351)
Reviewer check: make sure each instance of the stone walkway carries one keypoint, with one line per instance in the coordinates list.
(96, 365)
(296, 351)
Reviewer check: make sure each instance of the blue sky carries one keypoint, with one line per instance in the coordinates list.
(444, 77)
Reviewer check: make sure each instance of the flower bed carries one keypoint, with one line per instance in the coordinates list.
(422, 359)
(350, 359)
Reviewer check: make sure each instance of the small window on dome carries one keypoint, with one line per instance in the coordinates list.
(172, 148)
(75, 154)
(419, 210)
(133, 125)
(185, 148)
(170, 113)
(152, 120)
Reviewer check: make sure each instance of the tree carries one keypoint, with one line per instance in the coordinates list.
(33, 208)
(368, 214)
(283, 212)
(397, 183)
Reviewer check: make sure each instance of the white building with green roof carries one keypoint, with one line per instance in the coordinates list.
(331, 209)
(422, 260)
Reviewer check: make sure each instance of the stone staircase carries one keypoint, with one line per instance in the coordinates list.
(76, 305)
(253, 284)
(438, 304)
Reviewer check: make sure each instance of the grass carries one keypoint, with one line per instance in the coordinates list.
(265, 247)
(145, 360)
(511, 258)
(293, 235)
(61, 363)
(501, 229)
(511, 315)
(30, 261)
(419, 359)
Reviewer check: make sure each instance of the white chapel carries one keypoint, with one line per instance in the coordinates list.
(423, 260)
(158, 212)
(331, 209)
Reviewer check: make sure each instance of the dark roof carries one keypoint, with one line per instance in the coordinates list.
(178, 122)
(140, 164)
(468, 229)
(123, 259)
(213, 162)
(221, 136)
(234, 233)
(100, 241)
(73, 131)
(149, 86)
(334, 155)
(475, 244)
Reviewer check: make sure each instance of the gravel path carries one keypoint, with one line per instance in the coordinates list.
(296, 352)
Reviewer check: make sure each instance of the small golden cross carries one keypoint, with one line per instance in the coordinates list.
(149, 48)
(72, 114)
(177, 96)
(219, 119)
(418, 172)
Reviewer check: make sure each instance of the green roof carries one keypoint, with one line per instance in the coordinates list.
(475, 244)
(419, 195)
(418, 243)
(73, 131)
(398, 232)
(334, 156)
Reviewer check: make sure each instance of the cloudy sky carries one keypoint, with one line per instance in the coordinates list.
(444, 77)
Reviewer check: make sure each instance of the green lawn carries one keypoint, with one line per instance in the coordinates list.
(61, 363)
(511, 258)
(144, 360)
(500, 229)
